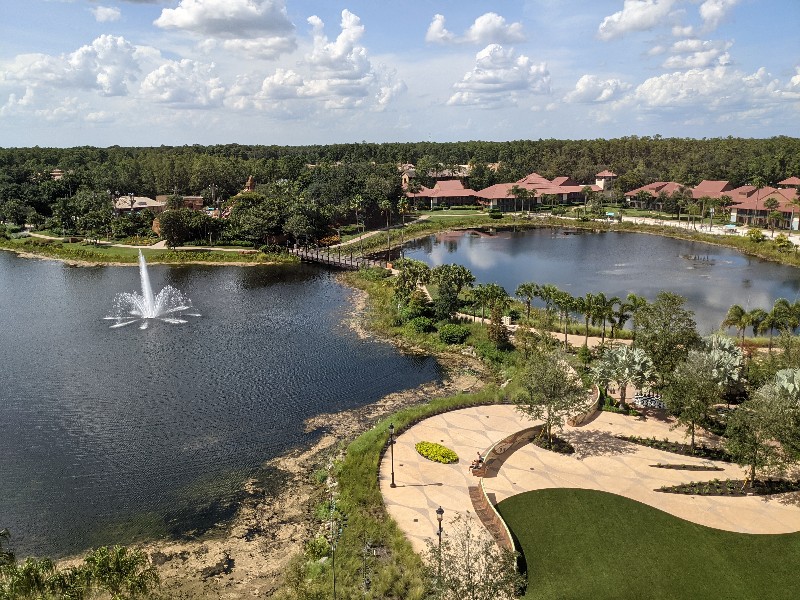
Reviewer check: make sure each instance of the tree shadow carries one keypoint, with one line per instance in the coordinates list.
(656, 414)
(590, 442)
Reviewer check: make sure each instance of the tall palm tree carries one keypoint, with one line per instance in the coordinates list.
(757, 319)
(497, 297)
(587, 306)
(527, 292)
(620, 316)
(566, 305)
(636, 304)
(480, 298)
(737, 318)
(604, 312)
(546, 294)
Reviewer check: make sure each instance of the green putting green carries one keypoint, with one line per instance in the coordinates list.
(590, 544)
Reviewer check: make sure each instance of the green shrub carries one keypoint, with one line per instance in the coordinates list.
(375, 273)
(453, 334)
(317, 547)
(495, 213)
(436, 452)
(421, 324)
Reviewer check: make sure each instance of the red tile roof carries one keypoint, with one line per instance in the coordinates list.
(606, 173)
(783, 196)
(790, 181)
(712, 189)
(655, 188)
(447, 188)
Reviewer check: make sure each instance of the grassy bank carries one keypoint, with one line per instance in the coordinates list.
(396, 570)
(590, 544)
(99, 254)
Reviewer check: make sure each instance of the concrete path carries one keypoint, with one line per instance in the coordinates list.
(601, 462)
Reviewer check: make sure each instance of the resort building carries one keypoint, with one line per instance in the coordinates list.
(605, 180)
(135, 204)
(749, 207)
(447, 192)
(652, 195)
(712, 189)
(190, 202)
(540, 190)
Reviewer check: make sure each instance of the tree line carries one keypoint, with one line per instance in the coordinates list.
(323, 182)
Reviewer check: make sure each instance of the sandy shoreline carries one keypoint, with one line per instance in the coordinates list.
(247, 556)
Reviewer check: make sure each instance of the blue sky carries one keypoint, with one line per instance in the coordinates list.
(151, 72)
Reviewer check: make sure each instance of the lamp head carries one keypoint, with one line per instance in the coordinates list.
(439, 514)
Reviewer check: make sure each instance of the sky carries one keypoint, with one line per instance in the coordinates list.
(292, 72)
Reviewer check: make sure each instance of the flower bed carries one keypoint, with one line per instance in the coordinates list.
(436, 452)
(559, 445)
(733, 487)
(684, 467)
(678, 448)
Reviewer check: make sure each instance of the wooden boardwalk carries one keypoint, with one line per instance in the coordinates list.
(335, 258)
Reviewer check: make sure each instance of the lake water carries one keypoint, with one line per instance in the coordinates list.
(107, 433)
(711, 278)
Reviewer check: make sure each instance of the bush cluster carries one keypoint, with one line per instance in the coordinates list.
(453, 334)
(422, 324)
(436, 452)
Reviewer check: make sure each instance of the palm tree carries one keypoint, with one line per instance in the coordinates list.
(480, 298)
(566, 305)
(636, 304)
(759, 183)
(771, 204)
(546, 294)
(527, 292)
(587, 306)
(386, 207)
(620, 316)
(497, 297)
(402, 208)
(757, 320)
(736, 317)
(604, 312)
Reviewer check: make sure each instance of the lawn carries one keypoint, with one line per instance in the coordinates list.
(591, 544)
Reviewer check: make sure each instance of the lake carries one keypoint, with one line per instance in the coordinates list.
(111, 433)
(711, 278)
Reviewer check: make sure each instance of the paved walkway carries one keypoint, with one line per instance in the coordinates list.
(601, 462)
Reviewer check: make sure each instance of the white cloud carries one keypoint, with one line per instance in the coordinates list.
(341, 70)
(682, 31)
(795, 81)
(106, 14)
(185, 84)
(487, 29)
(258, 28)
(636, 15)
(109, 64)
(338, 74)
(697, 54)
(709, 89)
(491, 27)
(500, 76)
(714, 11)
(437, 33)
(590, 88)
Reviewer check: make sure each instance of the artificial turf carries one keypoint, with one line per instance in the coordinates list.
(591, 544)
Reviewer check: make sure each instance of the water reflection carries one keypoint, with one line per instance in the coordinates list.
(710, 277)
(110, 431)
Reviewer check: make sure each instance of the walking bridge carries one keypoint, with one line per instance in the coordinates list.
(337, 258)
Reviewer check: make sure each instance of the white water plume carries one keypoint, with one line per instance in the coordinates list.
(169, 305)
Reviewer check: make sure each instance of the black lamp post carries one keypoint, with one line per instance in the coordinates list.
(439, 517)
(391, 450)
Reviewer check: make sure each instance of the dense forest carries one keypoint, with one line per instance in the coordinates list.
(327, 186)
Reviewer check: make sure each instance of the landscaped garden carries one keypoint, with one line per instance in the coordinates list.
(590, 544)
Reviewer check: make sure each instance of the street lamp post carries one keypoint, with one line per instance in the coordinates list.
(391, 450)
(439, 517)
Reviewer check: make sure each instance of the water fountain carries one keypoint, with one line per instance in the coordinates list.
(169, 305)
